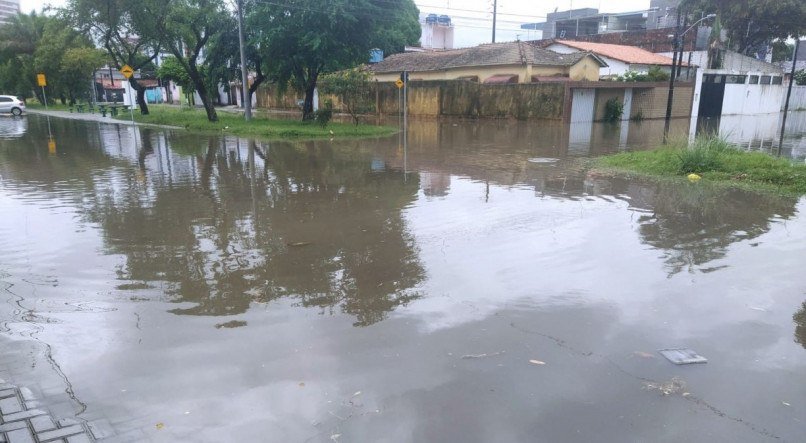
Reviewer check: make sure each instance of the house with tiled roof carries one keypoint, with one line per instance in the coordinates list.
(513, 62)
(619, 58)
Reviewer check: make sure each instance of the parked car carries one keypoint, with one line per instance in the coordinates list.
(9, 103)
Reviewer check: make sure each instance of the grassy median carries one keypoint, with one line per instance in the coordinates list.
(714, 160)
(261, 127)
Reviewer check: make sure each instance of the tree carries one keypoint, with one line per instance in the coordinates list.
(782, 51)
(351, 86)
(188, 27)
(77, 68)
(800, 77)
(305, 38)
(751, 24)
(127, 31)
(171, 70)
(19, 38)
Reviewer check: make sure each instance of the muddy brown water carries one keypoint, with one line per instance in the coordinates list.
(199, 288)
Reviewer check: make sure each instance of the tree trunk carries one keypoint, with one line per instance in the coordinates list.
(209, 108)
(140, 93)
(307, 107)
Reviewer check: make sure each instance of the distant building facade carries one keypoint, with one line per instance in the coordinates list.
(619, 58)
(8, 9)
(514, 62)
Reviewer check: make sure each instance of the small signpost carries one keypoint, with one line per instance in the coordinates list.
(399, 83)
(127, 72)
(42, 82)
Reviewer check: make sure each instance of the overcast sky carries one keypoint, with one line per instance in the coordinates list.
(473, 18)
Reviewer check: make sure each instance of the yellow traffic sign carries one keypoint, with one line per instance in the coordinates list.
(40, 80)
(52, 146)
(127, 71)
(399, 83)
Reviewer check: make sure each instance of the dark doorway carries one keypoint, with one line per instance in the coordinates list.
(712, 95)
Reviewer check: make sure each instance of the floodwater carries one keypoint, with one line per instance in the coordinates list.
(477, 285)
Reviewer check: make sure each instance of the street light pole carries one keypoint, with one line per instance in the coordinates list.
(495, 14)
(245, 99)
(670, 99)
(789, 93)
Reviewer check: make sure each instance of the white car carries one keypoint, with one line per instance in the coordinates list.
(9, 103)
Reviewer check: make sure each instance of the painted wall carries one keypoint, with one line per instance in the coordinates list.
(749, 99)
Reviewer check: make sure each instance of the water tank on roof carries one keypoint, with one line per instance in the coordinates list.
(431, 19)
(444, 20)
(375, 55)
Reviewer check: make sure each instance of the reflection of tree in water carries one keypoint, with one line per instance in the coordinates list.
(695, 224)
(313, 224)
(800, 325)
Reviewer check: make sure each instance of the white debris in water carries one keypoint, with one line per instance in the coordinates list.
(544, 160)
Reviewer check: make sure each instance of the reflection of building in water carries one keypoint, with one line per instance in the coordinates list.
(435, 184)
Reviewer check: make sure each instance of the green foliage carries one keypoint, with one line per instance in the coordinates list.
(324, 114)
(32, 43)
(782, 51)
(752, 24)
(172, 70)
(716, 160)
(800, 77)
(305, 38)
(614, 109)
(353, 87)
(260, 126)
(655, 74)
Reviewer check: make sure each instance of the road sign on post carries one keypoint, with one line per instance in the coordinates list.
(127, 71)
(42, 82)
(399, 83)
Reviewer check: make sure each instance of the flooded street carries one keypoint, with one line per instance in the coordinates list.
(479, 285)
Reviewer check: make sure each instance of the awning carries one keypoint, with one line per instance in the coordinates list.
(501, 79)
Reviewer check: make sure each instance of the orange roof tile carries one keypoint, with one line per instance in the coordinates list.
(627, 54)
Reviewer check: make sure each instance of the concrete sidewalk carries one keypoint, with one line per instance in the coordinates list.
(95, 118)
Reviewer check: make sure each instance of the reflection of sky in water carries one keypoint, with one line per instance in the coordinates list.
(12, 127)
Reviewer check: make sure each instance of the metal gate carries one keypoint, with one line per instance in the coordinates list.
(582, 105)
(712, 95)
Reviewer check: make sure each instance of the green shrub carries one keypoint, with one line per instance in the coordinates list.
(324, 114)
(614, 109)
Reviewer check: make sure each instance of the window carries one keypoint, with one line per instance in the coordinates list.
(735, 79)
(765, 79)
(777, 80)
(718, 79)
(753, 79)
(5, 99)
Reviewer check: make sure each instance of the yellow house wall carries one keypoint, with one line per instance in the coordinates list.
(586, 70)
(524, 73)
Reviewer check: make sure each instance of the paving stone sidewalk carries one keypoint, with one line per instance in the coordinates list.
(22, 422)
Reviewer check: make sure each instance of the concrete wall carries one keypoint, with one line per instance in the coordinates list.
(650, 103)
(798, 98)
(748, 99)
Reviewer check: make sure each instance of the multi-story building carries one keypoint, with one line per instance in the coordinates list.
(8, 9)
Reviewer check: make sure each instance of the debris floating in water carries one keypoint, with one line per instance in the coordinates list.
(670, 387)
(682, 356)
(537, 362)
(544, 160)
(470, 356)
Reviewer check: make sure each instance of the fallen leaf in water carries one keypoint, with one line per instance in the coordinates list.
(160, 425)
(643, 354)
(537, 362)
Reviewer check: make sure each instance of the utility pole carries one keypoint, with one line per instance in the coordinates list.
(246, 101)
(676, 43)
(495, 15)
(789, 93)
